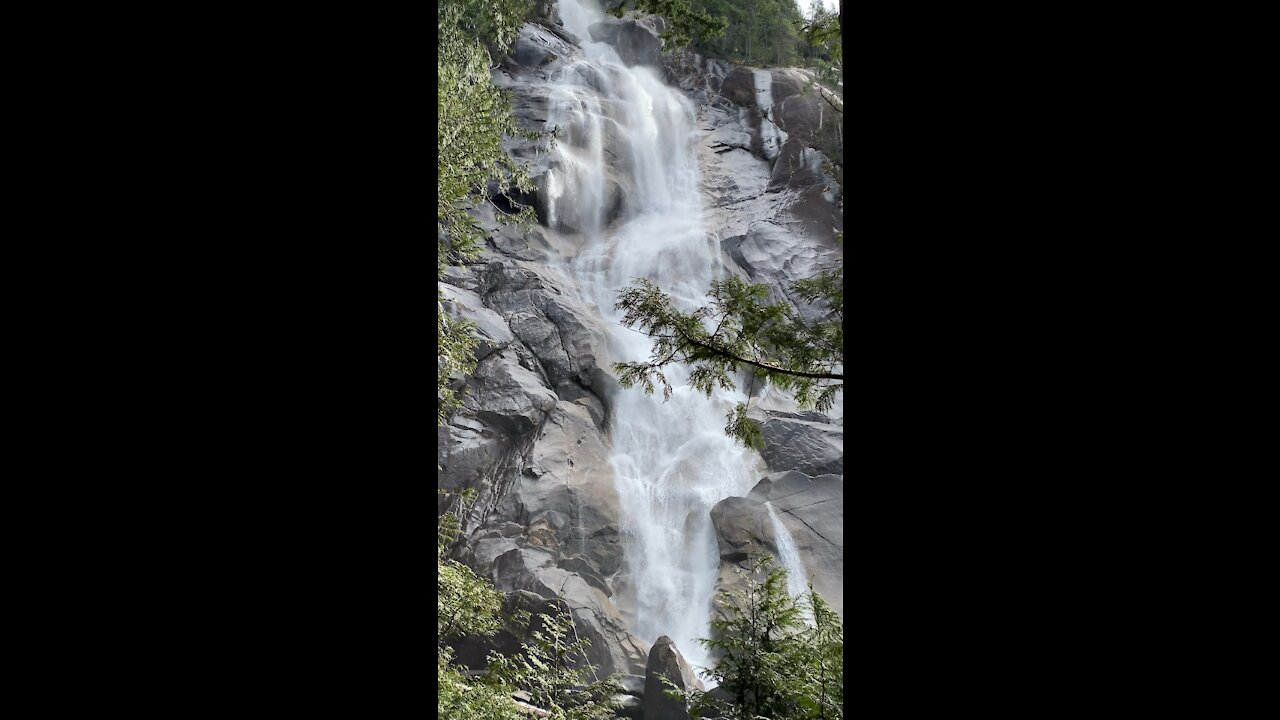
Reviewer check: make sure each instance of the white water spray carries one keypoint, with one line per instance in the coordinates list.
(789, 559)
(628, 184)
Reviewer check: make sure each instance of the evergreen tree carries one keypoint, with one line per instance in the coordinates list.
(465, 605)
(757, 32)
(553, 671)
(686, 21)
(821, 34)
(772, 664)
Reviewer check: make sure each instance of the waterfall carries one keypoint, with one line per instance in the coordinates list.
(771, 137)
(628, 186)
(789, 559)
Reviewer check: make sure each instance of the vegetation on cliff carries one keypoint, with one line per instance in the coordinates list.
(773, 663)
(473, 117)
(550, 670)
(762, 33)
(780, 657)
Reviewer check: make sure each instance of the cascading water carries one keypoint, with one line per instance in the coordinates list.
(626, 179)
(789, 559)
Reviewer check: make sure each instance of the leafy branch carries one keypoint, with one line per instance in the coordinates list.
(739, 329)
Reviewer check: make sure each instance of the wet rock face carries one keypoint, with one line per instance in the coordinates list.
(700, 78)
(771, 196)
(532, 435)
(812, 510)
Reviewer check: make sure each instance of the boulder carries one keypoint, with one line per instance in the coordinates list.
(812, 510)
(665, 660)
(491, 329)
(508, 397)
(558, 330)
(813, 448)
(743, 528)
(739, 87)
(791, 490)
(636, 45)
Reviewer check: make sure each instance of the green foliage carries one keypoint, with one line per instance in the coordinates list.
(760, 642)
(767, 33)
(551, 669)
(545, 670)
(743, 428)
(686, 22)
(456, 343)
(757, 32)
(773, 664)
(826, 670)
(465, 603)
(828, 72)
(493, 22)
(473, 116)
(458, 697)
(822, 35)
(741, 330)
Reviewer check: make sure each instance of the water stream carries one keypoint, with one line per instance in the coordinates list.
(627, 182)
(789, 559)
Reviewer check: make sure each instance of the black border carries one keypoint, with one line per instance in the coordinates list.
(288, 346)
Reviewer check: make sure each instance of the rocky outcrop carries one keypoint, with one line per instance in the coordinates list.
(742, 529)
(556, 329)
(773, 197)
(530, 439)
(636, 45)
(812, 510)
(665, 661)
(807, 442)
(778, 255)
(700, 78)
(474, 651)
(532, 434)
(739, 87)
